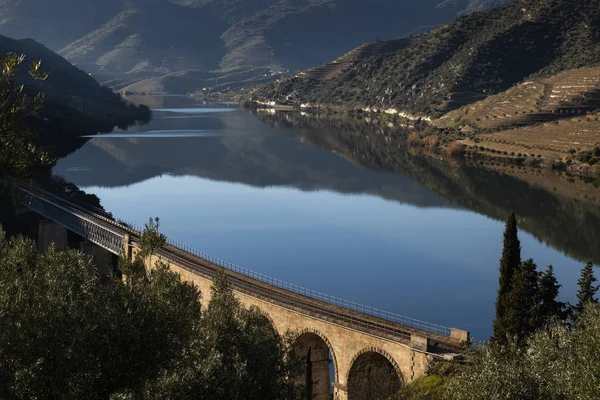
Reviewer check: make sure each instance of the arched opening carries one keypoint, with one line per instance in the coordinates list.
(318, 364)
(373, 377)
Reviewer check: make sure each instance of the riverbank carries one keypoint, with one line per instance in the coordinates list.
(563, 145)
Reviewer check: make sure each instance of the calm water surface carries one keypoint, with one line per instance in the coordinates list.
(225, 183)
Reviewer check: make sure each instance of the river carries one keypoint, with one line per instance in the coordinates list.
(313, 206)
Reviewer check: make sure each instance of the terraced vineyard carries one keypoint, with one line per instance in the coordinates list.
(338, 66)
(572, 92)
(552, 140)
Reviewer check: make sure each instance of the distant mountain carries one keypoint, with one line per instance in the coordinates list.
(302, 33)
(166, 36)
(55, 23)
(477, 55)
(156, 35)
(75, 103)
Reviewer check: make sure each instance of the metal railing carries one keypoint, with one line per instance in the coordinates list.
(312, 294)
(332, 300)
(86, 228)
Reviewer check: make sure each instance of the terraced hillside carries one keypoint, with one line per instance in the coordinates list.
(573, 92)
(558, 140)
(345, 62)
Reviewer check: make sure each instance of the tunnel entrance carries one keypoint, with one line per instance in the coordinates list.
(373, 377)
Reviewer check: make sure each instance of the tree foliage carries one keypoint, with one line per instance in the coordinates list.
(17, 151)
(548, 308)
(66, 333)
(556, 363)
(151, 240)
(587, 290)
(509, 265)
(521, 302)
(236, 354)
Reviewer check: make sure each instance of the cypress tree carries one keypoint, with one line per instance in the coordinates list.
(509, 265)
(548, 307)
(587, 289)
(519, 315)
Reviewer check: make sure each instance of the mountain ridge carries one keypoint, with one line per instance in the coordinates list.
(129, 35)
(477, 55)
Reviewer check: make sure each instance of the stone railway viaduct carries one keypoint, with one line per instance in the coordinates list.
(356, 340)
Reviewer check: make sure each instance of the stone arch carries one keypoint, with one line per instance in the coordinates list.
(365, 359)
(329, 346)
(313, 346)
(267, 317)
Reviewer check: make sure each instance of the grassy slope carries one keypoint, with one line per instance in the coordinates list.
(477, 55)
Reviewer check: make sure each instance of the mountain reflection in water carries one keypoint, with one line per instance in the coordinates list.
(340, 207)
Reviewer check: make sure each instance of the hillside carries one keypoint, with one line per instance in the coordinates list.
(153, 35)
(345, 62)
(478, 55)
(303, 33)
(54, 23)
(463, 7)
(185, 82)
(572, 92)
(75, 103)
(166, 36)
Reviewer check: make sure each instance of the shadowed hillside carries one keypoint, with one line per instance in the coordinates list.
(75, 102)
(54, 23)
(152, 35)
(165, 36)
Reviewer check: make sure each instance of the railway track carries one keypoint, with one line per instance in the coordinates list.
(265, 289)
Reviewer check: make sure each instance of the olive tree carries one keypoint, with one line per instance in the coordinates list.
(556, 363)
(17, 151)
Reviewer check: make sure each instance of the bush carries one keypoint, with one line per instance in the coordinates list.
(414, 139)
(456, 149)
(429, 387)
(556, 363)
(431, 142)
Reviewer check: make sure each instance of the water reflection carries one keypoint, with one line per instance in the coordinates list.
(198, 110)
(172, 133)
(558, 210)
(338, 207)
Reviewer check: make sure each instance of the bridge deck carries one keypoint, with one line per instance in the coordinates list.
(354, 316)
